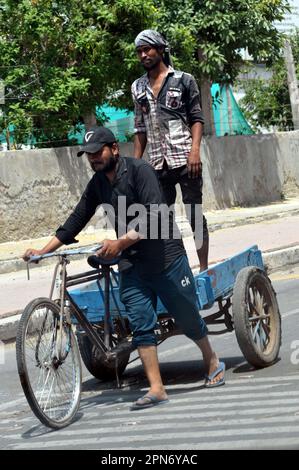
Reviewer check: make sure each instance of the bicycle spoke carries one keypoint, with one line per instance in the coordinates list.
(54, 374)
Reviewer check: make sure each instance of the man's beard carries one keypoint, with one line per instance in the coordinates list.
(152, 65)
(109, 165)
(149, 67)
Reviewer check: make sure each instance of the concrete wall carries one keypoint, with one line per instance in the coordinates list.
(38, 188)
(250, 170)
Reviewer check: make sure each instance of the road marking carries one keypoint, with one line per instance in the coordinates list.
(196, 387)
(262, 379)
(222, 390)
(220, 397)
(290, 313)
(265, 403)
(250, 406)
(238, 380)
(129, 418)
(277, 443)
(12, 404)
(95, 415)
(191, 425)
(233, 385)
(161, 437)
(198, 406)
(122, 410)
(94, 419)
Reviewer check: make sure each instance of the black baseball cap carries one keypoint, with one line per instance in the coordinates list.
(95, 138)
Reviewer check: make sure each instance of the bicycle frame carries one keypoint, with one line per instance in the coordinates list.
(65, 299)
(100, 333)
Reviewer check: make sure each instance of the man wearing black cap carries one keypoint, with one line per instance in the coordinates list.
(149, 267)
(169, 120)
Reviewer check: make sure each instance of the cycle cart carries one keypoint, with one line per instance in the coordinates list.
(93, 318)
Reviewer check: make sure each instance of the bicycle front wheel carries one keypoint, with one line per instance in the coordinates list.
(49, 364)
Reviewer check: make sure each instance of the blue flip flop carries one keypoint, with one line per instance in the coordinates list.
(147, 401)
(209, 378)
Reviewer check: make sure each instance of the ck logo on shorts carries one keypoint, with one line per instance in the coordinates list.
(185, 282)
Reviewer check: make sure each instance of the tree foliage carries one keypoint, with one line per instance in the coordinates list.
(61, 58)
(208, 36)
(267, 102)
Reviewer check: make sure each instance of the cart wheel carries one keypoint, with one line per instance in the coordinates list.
(49, 364)
(256, 317)
(95, 361)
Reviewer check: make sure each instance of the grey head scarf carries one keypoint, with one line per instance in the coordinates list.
(150, 37)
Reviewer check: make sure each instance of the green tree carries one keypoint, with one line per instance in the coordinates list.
(59, 59)
(21, 122)
(267, 102)
(207, 37)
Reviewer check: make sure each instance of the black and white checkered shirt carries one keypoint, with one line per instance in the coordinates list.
(167, 119)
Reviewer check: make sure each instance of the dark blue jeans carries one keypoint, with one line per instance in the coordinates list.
(176, 288)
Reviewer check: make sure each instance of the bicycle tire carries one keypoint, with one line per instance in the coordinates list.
(37, 333)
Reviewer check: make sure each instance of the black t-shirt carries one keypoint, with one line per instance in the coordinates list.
(133, 200)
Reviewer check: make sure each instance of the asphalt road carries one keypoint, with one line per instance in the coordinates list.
(255, 409)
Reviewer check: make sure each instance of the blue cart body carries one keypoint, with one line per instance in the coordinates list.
(211, 285)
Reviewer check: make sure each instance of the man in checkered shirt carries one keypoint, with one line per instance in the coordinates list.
(169, 120)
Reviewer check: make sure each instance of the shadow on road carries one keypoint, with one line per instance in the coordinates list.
(186, 376)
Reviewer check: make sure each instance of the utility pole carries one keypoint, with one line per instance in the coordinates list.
(292, 83)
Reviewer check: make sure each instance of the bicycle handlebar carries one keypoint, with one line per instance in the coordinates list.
(73, 251)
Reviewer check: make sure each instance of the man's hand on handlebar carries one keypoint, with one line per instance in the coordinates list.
(52, 245)
(110, 249)
(31, 252)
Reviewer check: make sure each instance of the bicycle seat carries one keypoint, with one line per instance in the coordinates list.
(96, 261)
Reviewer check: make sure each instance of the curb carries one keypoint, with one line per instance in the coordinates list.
(15, 264)
(281, 258)
(248, 220)
(274, 261)
(9, 326)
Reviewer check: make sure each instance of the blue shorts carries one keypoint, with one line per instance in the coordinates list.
(176, 288)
